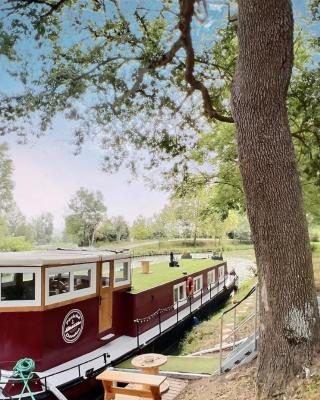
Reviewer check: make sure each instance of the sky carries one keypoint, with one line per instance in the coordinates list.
(47, 173)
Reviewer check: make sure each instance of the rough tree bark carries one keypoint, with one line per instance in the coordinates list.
(288, 306)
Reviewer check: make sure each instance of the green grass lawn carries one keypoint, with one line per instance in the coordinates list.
(161, 273)
(192, 365)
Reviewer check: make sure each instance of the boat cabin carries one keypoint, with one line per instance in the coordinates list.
(52, 299)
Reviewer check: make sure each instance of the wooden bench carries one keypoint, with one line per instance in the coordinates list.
(140, 386)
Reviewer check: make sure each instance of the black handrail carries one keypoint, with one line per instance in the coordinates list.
(252, 290)
(158, 313)
(104, 355)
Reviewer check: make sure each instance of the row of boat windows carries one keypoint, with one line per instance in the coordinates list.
(62, 282)
(180, 290)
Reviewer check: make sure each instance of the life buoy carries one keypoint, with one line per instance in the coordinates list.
(190, 286)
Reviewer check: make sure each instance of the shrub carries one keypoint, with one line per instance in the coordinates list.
(15, 243)
(314, 247)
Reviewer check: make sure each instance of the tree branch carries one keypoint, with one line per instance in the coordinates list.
(186, 14)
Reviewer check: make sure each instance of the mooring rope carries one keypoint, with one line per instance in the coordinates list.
(23, 370)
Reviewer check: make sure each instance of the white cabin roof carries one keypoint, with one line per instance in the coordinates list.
(38, 258)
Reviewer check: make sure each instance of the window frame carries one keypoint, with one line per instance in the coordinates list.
(109, 278)
(121, 283)
(197, 292)
(221, 275)
(184, 299)
(212, 273)
(37, 290)
(72, 294)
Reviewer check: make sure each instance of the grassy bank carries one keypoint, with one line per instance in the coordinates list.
(207, 334)
(182, 246)
(193, 365)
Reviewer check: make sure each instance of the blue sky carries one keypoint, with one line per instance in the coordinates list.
(47, 173)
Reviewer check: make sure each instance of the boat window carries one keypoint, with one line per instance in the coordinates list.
(121, 272)
(176, 294)
(17, 286)
(197, 283)
(211, 277)
(179, 294)
(20, 286)
(221, 272)
(69, 282)
(105, 274)
(59, 283)
(82, 279)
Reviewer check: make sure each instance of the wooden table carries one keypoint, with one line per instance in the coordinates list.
(150, 364)
(141, 386)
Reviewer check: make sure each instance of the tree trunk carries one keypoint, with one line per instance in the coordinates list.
(195, 237)
(289, 330)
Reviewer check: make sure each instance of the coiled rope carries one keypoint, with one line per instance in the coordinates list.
(23, 370)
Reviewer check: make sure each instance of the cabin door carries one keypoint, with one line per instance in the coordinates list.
(105, 307)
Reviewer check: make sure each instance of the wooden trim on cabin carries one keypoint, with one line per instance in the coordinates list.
(43, 286)
(105, 299)
(98, 277)
(21, 309)
(70, 301)
(126, 286)
(69, 264)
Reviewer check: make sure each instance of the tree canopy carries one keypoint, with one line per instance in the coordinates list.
(150, 86)
(87, 211)
(6, 182)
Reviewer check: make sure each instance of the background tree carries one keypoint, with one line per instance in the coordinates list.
(164, 224)
(17, 223)
(6, 182)
(140, 229)
(188, 214)
(87, 212)
(105, 232)
(120, 228)
(42, 228)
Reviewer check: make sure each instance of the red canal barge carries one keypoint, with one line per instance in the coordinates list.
(74, 312)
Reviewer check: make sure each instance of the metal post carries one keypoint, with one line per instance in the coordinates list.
(201, 296)
(138, 333)
(159, 316)
(190, 304)
(256, 319)
(234, 326)
(221, 333)
(210, 289)
(177, 311)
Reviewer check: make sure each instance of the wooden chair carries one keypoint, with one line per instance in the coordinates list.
(140, 386)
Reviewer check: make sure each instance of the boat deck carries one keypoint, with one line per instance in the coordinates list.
(119, 347)
(161, 273)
